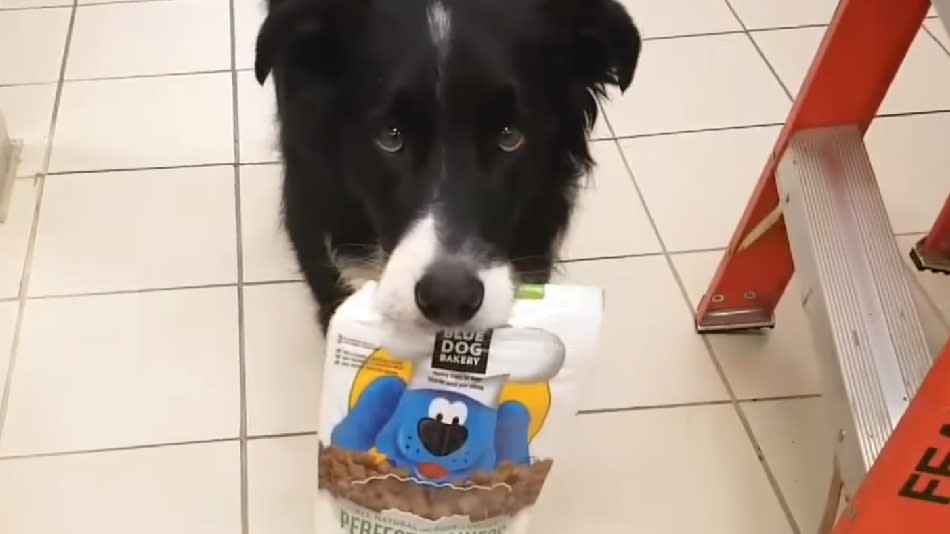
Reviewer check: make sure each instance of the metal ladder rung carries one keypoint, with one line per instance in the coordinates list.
(868, 335)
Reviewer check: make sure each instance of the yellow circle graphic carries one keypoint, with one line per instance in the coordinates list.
(536, 397)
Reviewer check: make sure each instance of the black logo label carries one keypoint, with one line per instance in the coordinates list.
(463, 352)
(929, 480)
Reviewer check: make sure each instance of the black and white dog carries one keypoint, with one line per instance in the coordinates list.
(437, 145)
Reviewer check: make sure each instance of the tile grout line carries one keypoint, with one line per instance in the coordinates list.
(739, 411)
(290, 281)
(120, 77)
(697, 404)
(40, 186)
(242, 361)
(54, 454)
(304, 433)
(934, 37)
(733, 400)
(602, 114)
(758, 50)
(87, 4)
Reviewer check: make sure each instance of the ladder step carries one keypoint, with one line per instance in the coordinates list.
(868, 336)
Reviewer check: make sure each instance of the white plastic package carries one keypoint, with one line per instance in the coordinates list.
(449, 432)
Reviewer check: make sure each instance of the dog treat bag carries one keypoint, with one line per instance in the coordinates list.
(452, 432)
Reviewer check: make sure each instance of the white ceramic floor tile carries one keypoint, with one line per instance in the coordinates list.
(266, 248)
(8, 316)
(798, 443)
(28, 110)
(144, 122)
(790, 52)
(601, 129)
(248, 16)
(681, 17)
(124, 370)
(150, 38)
(910, 159)
(281, 483)
(698, 455)
(939, 31)
(757, 14)
(43, 33)
(283, 357)
(610, 219)
(770, 363)
(918, 86)
(136, 229)
(696, 185)
(15, 237)
(194, 488)
(699, 83)
(257, 116)
(922, 80)
(19, 4)
(649, 354)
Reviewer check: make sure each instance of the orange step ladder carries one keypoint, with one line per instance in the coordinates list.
(817, 211)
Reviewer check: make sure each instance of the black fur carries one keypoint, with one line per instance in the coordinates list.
(345, 70)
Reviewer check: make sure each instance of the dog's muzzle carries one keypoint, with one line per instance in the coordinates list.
(440, 438)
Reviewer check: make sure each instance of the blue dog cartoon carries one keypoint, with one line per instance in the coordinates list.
(447, 422)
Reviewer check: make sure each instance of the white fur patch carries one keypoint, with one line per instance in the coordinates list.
(440, 26)
(355, 272)
(396, 294)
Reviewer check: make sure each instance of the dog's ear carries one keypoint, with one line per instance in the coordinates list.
(306, 33)
(608, 43)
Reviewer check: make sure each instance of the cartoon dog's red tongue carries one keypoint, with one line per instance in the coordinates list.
(433, 471)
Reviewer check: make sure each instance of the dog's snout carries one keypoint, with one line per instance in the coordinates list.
(440, 438)
(449, 293)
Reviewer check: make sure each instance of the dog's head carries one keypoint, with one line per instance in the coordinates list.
(459, 125)
(440, 432)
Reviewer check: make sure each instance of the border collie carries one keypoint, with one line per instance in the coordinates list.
(436, 145)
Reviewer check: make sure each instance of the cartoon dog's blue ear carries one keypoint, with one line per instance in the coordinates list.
(512, 433)
(360, 429)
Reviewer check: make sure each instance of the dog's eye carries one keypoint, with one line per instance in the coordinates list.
(455, 413)
(390, 140)
(510, 139)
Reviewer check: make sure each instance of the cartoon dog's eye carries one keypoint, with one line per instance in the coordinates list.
(457, 413)
(438, 408)
(452, 413)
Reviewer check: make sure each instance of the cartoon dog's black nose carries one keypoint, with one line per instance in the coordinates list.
(449, 293)
(441, 439)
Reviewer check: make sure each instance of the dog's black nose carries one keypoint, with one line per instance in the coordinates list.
(449, 293)
(441, 438)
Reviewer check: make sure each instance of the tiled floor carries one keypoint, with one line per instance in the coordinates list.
(158, 350)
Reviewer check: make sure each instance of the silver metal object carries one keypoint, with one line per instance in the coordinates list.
(868, 336)
(943, 9)
(736, 320)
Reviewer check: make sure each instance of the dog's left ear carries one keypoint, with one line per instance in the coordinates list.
(307, 33)
(608, 43)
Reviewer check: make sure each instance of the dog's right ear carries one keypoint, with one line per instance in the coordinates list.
(305, 33)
